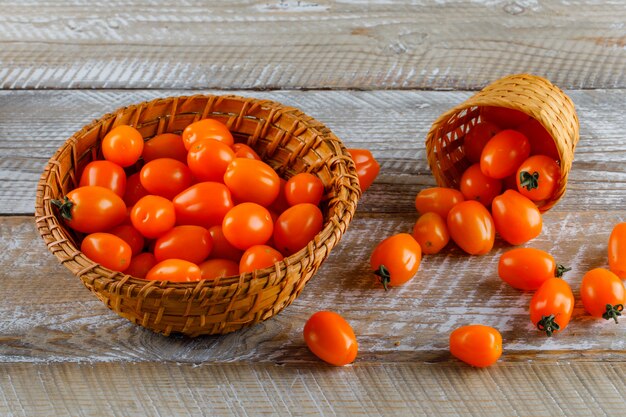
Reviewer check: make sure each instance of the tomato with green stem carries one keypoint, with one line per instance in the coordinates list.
(153, 216)
(396, 260)
(476, 345)
(367, 167)
(174, 270)
(476, 139)
(504, 153)
(602, 293)
(331, 338)
(538, 177)
(551, 306)
(207, 129)
(617, 250)
(471, 227)
(296, 227)
(165, 145)
(91, 209)
(431, 232)
(517, 219)
(437, 200)
(104, 174)
(258, 257)
(107, 250)
(527, 268)
(123, 145)
(477, 186)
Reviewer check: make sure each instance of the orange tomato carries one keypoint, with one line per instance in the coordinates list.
(437, 200)
(296, 227)
(396, 259)
(165, 177)
(246, 225)
(503, 117)
(104, 174)
(258, 257)
(471, 227)
(130, 235)
(123, 145)
(304, 188)
(476, 139)
(541, 143)
(174, 270)
(280, 204)
(477, 186)
(517, 219)
(538, 177)
(602, 293)
(204, 204)
(91, 209)
(617, 250)
(367, 168)
(107, 250)
(551, 306)
(153, 216)
(134, 190)
(208, 159)
(252, 181)
(476, 345)
(330, 338)
(218, 268)
(244, 151)
(528, 268)
(189, 243)
(504, 153)
(165, 145)
(431, 232)
(140, 265)
(207, 129)
(222, 249)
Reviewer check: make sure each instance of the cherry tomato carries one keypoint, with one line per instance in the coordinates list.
(503, 117)
(538, 177)
(123, 145)
(431, 232)
(107, 250)
(551, 306)
(476, 139)
(208, 159)
(471, 227)
(247, 224)
(477, 186)
(204, 204)
(130, 235)
(189, 243)
(280, 204)
(476, 345)
(504, 153)
(174, 270)
(165, 145)
(207, 129)
(541, 143)
(105, 174)
(165, 177)
(258, 257)
(330, 338)
(437, 200)
(153, 216)
(617, 250)
(222, 249)
(528, 268)
(218, 268)
(517, 219)
(304, 188)
(134, 190)
(367, 168)
(252, 181)
(140, 265)
(244, 151)
(396, 259)
(296, 227)
(602, 293)
(91, 209)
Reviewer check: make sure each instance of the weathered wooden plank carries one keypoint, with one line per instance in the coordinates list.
(586, 389)
(318, 44)
(48, 316)
(393, 124)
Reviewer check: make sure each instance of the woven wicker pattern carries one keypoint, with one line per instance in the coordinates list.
(284, 137)
(533, 95)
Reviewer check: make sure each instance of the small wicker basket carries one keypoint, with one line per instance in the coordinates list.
(287, 139)
(533, 95)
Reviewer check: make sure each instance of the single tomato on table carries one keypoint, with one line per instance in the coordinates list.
(431, 232)
(123, 145)
(602, 293)
(538, 177)
(104, 174)
(617, 250)
(528, 268)
(330, 338)
(91, 209)
(517, 219)
(107, 250)
(504, 153)
(296, 227)
(437, 200)
(476, 345)
(396, 259)
(551, 306)
(471, 227)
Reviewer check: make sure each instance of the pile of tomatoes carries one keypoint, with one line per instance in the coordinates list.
(189, 207)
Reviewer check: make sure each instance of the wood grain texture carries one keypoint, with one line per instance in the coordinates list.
(583, 389)
(263, 44)
(393, 124)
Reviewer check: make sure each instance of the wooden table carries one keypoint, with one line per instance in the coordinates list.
(377, 73)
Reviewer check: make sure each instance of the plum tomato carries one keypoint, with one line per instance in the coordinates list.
(208, 159)
(107, 250)
(165, 177)
(134, 190)
(244, 151)
(258, 257)
(189, 243)
(504, 117)
(602, 293)
(551, 306)
(280, 204)
(538, 177)
(153, 216)
(252, 181)
(140, 265)
(527, 268)
(130, 235)
(517, 219)
(203, 204)
(367, 168)
(123, 145)
(207, 129)
(246, 225)
(476, 345)
(541, 143)
(476, 139)
(222, 249)
(296, 227)
(91, 209)
(617, 250)
(104, 174)
(165, 145)
(174, 270)
(330, 338)
(437, 200)
(304, 188)
(218, 268)
(396, 259)
(431, 232)
(504, 153)
(471, 227)
(477, 186)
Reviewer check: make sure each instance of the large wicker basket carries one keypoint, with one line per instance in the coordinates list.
(287, 139)
(531, 94)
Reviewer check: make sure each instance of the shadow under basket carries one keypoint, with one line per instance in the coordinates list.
(530, 94)
(285, 138)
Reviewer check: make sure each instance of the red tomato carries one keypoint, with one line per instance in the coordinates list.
(140, 265)
(304, 188)
(477, 186)
(509, 183)
(396, 259)
(296, 227)
(617, 250)
(551, 306)
(280, 204)
(153, 216)
(330, 338)
(252, 181)
(367, 168)
(437, 200)
(541, 143)
(134, 190)
(528, 268)
(174, 270)
(504, 153)
(91, 209)
(471, 227)
(247, 224)
(123, 145)
(431, 232)
(218, 268)
(517, 219)
(258, 257)
(476, 139)
(602, 293)
(476, 345)
(130, 235)
(107, 250)
(204, 204)
(207, 129)
(165, 177)
(538, 177)
(208, 159)
(105, 174)
(503, 117)
(222, 249)
(244, 151)
(165, 145)
(189, 243)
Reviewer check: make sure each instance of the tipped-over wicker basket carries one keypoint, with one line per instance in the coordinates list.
(531, 94)
(287, 139)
